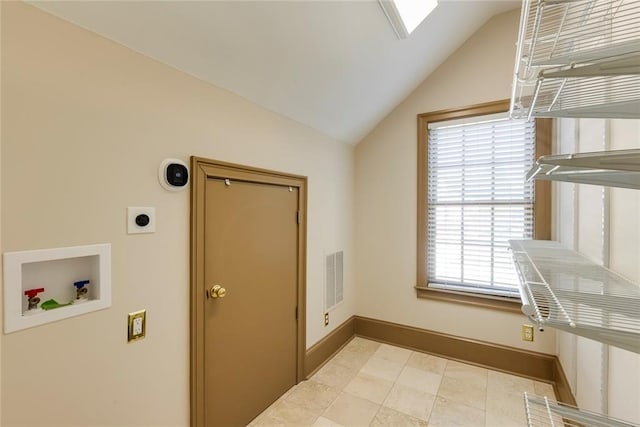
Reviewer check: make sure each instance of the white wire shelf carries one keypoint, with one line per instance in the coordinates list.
(618, 168)
(544, 412)
(578, 58)
(562, 289)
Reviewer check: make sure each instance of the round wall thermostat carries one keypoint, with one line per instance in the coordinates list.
(173, 174)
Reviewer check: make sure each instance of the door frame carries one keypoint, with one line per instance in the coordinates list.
(203, 169)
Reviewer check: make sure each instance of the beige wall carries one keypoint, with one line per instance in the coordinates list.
(86, 123)
(479, 71)
(603, 379)
(1, 271)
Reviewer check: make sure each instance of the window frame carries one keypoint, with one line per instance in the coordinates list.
(541, 206)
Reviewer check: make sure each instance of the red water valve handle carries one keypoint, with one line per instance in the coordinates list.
(33, 292)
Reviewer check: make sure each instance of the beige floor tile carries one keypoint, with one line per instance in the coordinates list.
(291, 414)
(544, 390)
(508, 383)
(427, 362)
(351, 359)
(265, 420)
(334, 374)
(351, 410)
(393, 354)
(493, 420)
(314, 396)
(469, 393)
(415, 389)
(362, 345)
(387, 417)
(447, 413)
(469, 373)
(324, 422)
(286, 393)
(368, 387)
(409, 401)
(419, 380)
(266, 411)
(382, 368)
(503, 405)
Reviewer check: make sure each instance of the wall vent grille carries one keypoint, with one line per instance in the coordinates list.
(334, 274)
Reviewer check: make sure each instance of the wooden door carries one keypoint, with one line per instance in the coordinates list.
(250, 323)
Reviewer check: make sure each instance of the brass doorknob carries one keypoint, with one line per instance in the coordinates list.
(217, 291)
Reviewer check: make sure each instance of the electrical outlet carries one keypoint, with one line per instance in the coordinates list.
(137, 325)
(326, 319)
(527, 333)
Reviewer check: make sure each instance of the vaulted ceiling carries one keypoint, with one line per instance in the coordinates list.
(336, 66)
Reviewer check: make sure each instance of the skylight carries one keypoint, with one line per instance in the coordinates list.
(406, 15)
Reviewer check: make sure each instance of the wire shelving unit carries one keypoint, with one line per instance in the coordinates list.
(578, 58)
(563, 289)
(618, 168)
(581, 59)
(544, 412)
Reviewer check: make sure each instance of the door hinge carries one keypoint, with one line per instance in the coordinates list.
(296, 312)
(298, 217)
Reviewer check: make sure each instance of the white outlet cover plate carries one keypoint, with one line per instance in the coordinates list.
(137, 326)
(133, 212)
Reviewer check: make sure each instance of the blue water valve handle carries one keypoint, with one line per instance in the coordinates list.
(81, 284)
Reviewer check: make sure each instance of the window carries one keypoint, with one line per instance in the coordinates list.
(473, 197)
(405, 15)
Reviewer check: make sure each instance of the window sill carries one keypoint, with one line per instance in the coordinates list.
(486, 301)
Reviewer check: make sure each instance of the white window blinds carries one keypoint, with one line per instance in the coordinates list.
(478, 199)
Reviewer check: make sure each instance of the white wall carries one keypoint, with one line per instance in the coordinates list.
(86, 123)
(580, 223)
(479, 71)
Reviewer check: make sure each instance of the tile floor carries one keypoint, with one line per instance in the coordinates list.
(373, 384)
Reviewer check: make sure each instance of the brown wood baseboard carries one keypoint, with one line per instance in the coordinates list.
(561, 384)
(537, 366)
(525, 363)
(324, 349)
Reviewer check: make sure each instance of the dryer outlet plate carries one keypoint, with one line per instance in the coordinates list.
(133, 213)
